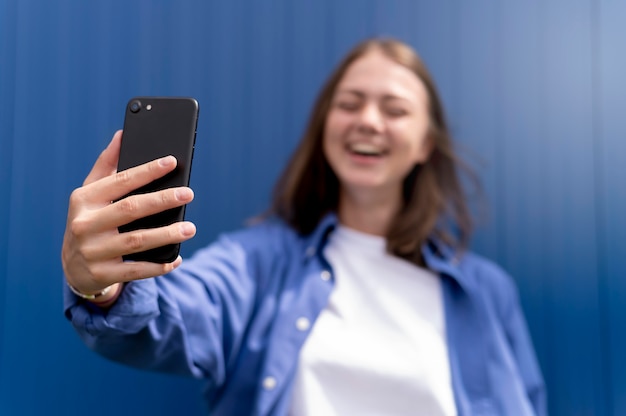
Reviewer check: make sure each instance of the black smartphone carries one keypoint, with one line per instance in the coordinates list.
(155, 127)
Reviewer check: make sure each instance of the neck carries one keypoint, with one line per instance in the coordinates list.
(367, 213)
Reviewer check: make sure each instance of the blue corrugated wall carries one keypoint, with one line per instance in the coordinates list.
(535, 90)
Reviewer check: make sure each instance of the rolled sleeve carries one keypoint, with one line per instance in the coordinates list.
(136, 306)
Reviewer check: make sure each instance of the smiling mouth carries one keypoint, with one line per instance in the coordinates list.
(366, 149)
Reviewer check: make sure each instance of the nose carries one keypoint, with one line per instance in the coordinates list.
(370, 119)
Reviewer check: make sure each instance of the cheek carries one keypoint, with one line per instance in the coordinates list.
(413, 139)
(336, 124)
(333, 131)
(332, 126)
(329, 142)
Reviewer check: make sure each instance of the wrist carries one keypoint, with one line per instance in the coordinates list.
(110, 297)
(104, 298)
(89, 296)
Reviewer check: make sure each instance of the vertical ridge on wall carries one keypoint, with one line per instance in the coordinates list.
(611, 168)
(519, 167)
(435, 41)
(309, 48)
(265, 132)
(8, 22)
(397, 19)
(606, 394)
(476, 116)
(346, 27)
(570, 233)
(222, 90)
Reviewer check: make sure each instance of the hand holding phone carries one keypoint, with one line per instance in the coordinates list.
(155, 127)
(93, 247)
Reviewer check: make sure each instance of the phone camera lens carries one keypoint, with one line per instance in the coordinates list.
(135, 106)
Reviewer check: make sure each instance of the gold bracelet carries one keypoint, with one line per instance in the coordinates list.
(89, 297)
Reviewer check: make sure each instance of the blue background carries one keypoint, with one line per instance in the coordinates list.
(535, 92)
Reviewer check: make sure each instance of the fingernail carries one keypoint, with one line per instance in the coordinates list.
(187, 229)
(167, 161)
(183, 194)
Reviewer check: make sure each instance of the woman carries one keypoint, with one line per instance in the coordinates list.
(354, 296)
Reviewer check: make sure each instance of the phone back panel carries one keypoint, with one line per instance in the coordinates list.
(155, 127)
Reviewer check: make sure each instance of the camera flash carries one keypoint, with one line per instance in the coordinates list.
(148, 107)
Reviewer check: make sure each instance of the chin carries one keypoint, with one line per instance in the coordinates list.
(362, 185)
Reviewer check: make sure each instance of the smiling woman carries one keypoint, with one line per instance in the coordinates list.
(380, 120)
(375, 134)
(355, 295)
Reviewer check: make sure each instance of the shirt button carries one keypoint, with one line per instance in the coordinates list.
(325, 275)
(303, 323)
(269, 383)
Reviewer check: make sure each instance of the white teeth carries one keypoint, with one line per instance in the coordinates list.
(365, 148)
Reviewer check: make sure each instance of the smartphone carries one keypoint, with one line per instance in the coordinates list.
(155, 127)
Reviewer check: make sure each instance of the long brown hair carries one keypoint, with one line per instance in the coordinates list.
(434, 203)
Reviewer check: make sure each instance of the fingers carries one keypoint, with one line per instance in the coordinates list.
(103, 184)
(107, 161)
(117, 245)
(103, 274)
(112, 216)
(115, 186)
(129, 271)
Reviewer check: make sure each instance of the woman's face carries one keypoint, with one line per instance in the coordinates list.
(376, 128)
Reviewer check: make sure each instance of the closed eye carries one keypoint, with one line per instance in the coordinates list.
(348, 105)
(396, 112)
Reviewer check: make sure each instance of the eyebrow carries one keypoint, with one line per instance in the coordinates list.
(361, 94)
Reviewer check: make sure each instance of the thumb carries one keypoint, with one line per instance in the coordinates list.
(107, 161)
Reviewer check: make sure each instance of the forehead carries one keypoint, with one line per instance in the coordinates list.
(376, 74)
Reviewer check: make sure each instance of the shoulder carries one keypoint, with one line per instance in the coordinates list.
(483, 271)
(274, 234)
(270, 234)
(265, 241)
(488, 278)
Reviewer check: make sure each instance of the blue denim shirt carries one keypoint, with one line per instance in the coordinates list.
(228, 315)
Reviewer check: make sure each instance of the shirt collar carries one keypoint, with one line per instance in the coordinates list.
(441, 258)
(315, 242)
(438, 256)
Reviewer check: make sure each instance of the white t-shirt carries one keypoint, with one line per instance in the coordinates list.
(379, 347)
